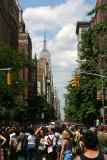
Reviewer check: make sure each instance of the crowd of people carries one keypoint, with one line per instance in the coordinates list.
(52, 142)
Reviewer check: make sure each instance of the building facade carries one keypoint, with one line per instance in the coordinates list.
(99, 17)
(25, 46)
(81, 27)
(44, 76)
(33, 84)
(45, 86)
(9, 13)
(56, 104)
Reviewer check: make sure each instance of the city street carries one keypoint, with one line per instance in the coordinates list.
(53, 80)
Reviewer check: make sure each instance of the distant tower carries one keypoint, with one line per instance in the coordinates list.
(45, 54)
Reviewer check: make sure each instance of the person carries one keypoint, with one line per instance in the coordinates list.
(49, 142)
(57, 142)
(31, 144)
(102, 137)
(13, 145)
(22, 139)
(97, 122)
(41, 143)
(77, 134)
(2, 142)
(5, 146)
(76, 141)
(91, 152)
(66, 153)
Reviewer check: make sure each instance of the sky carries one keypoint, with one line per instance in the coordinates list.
(57, 18)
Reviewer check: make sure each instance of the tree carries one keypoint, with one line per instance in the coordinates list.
(9, 101)
(37, 107)
(82, 102)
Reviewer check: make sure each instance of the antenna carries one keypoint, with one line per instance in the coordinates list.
(44, 41)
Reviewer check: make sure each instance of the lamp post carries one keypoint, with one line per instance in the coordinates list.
(102, 81)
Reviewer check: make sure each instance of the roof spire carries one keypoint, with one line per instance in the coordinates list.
(44, 47)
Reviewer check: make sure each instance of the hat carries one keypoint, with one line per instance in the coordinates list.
(66, 134)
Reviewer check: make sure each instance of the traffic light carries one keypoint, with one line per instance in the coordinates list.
(99, 95)
(75, 81)
(9, 78)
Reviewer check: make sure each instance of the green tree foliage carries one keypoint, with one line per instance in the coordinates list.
(82, 105)
(9, 102)
(38, 106)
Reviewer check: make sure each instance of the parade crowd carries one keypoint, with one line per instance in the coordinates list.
(52, 142)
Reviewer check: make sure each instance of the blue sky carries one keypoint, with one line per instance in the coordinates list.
(37, 3)
(58, 19)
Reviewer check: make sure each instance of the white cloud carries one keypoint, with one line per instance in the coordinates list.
(66, 32)
(61, 21)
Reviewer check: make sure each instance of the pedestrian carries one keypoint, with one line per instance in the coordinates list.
(57, 143)
(22, 140)
(49, 142)
(97, 122)
(102, 137)
(31, 145)
(2, 142)
(41, 140)
(66, 150)
(5, 146)
(91, 152)
(14, 145)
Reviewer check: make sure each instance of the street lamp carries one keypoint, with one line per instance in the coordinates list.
(102, 80)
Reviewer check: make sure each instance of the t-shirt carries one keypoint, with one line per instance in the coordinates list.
(42, 143)
(31, 139)
(102, 142)
(99, 157)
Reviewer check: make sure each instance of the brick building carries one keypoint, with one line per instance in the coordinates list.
(25, 46)
(99, 17)
(9, 22)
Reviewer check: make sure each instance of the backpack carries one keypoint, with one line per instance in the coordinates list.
(67, 155)
(56, 146)
(24, 143)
